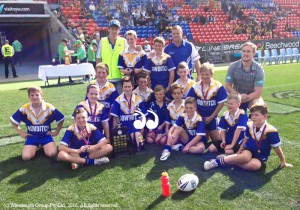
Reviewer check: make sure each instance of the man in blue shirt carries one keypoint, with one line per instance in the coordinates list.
(181, 50)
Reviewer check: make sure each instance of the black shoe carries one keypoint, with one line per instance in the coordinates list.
(71, 81)
(15, 76)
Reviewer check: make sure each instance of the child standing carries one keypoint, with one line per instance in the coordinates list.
(38, 116)
(83, 143)
(233, 124)
(260, 137)
(211, 96)
(189, 132)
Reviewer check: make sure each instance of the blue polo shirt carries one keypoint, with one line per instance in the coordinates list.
(185, 52)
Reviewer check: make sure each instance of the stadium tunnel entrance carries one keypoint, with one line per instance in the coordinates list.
(32, 33)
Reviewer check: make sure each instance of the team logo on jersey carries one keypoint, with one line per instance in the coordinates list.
(142, 123)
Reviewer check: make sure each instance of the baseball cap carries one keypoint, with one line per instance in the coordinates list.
(114, 23)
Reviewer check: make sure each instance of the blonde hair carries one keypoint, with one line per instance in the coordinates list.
(90, 87)
(159, 40)
(254, 47)
(131, 32)
(102, 66)
(190, 100)
(183, 65)
(34, 89)
(235, 97)
(207, 67)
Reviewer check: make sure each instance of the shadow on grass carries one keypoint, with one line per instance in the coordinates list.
(156, 202)
(246, 180)
(36, 172)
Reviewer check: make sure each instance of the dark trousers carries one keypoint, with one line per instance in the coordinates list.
(18, 58)
(7, 61)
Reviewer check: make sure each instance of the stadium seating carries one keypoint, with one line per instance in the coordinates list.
(296, 54)
(274, 56)
(267, 57)
(282, 55)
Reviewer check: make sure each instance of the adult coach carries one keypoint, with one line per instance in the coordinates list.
(181, 50)
(8, 53)
(110, 49)
(246, 77)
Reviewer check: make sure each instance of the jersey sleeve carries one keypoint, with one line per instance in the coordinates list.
(259, 78)
(229, 76)
(168, 117)
(115, 111)
(148, 65)
(247, 133)
(192, 93)
(222, 124)
(195, 55)
(242, 122)
(170, 63)
(98, 135)
(179, 121)
(104, 115)
(141, 62)
(274, 139)
(121, 62)
(58, 116)
(221, 95)
(17, 117)
(201, 128)
(66, 140)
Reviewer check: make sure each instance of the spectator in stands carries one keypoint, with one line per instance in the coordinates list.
(147, 48)
(125, 6)
(181, 50)
(108, 17)
(202, 19)
(92, 7)
(188, 19)
(110, 49)
(117, 14)
(211, 18)
(196, 19)
(81, 36)
(175, 17)
(246, 77)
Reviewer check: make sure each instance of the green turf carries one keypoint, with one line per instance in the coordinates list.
(133, 182)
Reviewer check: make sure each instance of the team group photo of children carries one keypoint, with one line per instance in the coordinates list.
(170, 89)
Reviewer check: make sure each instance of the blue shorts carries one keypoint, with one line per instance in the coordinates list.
(84, 155)
(213, 125)
(203, 139)
(34, 141)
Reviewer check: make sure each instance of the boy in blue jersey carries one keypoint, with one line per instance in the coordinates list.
(124, 110)
(160, 66)
(159, 107)
(142, 90)
(38, 116)
(189, 132)
(260, 137)
(83, 143)
(211, 96)
(232, 125)
(96, 111)
(187, 83)
(108, 92)
(131, 61)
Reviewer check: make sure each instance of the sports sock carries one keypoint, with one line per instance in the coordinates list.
(167, 147)
(221, 162)
(90, 162)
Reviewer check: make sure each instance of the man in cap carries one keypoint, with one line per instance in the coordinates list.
(110, 49)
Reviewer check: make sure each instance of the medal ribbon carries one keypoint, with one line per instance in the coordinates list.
(128, 102)
(95, 109)
(202, 90)
(83, 134)
(258, 142)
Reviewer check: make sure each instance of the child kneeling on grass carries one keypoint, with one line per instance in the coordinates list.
(83, 143)
(188, 133)
(260, 137)
(38, 116)
(233, 124)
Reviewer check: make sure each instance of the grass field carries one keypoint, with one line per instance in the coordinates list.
(133, 182)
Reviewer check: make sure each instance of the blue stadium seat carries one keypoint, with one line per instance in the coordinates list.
(274, 56)
(282, 55)
(267, 57)
(296, 54)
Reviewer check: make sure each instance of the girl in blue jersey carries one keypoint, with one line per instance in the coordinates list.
(211, 96)
(83, 143)
(159, 107)
(160, 66)
(38, 116)
(96, 111)
(232, 126)
(255, 149)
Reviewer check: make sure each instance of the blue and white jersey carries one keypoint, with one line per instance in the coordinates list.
(260, 142)
(159, 69)
(174, 113)
(38, 124)
(193, 127)
(185, 52)
(96, 114)
(74, 138)
(230, 125)
(160, 111)
(108, 94)
(186, 88)
(208, 99)
(125, 110)
(132, 60)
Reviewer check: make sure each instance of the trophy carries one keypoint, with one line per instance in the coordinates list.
(119, 138)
